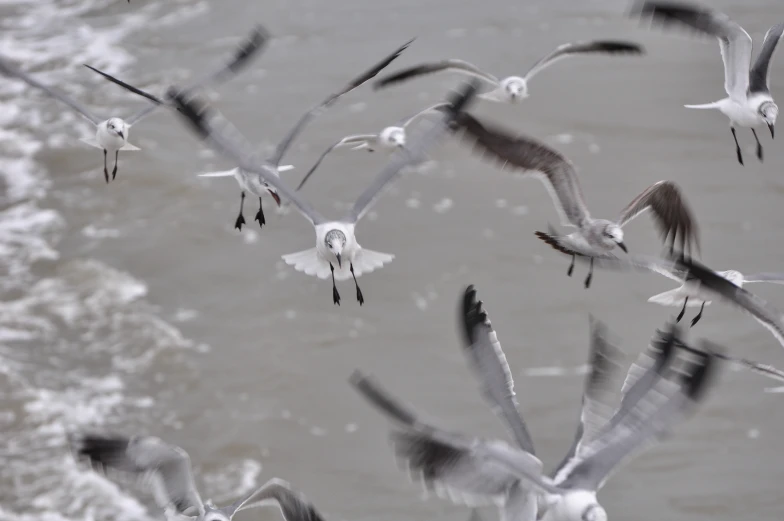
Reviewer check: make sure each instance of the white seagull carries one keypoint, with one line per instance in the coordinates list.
(748, 103)
(594, 237)
(512, 88)
(252, 182)
(656, 399)
(173, 487)
(111, 135)
(336, 242)
(389, 139)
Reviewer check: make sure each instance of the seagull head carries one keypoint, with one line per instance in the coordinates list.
(515, 87)
(612, 235)
(335, 241)
(769, 112)
(580, 505)
(118, 127)
(393, 137)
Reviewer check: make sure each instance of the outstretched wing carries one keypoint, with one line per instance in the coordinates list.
(348, 140)
(423, 69)
(758, 77)
(293, 504)
(577, 48)
(671, 214)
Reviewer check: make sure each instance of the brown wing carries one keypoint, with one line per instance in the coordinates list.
(532, 157)
(671, 214)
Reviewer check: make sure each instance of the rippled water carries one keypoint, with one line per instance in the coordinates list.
(135, 307)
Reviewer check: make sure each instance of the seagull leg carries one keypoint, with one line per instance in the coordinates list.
(699, 315)
(590, 275)
(759, 145)
(360, 298)
(680, 315)
(116, 160)
(240, 218)
(335, 294)
(260, 215)
(737, 145)
(571, 266)
(105, 169)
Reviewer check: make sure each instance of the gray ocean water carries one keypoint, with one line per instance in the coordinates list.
(135, 307)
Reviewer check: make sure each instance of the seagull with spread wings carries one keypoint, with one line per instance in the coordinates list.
(594, 237)
(337, 252)
(512, 88)
(168, 469)
(111, 135)
(748, 103)
(250, 181)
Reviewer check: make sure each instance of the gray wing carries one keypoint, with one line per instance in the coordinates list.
(760, 309)
(668, 406)
(531, 157)
(348, 140)
(576, 48)
(671, 214)
(734, 42)
(596, 411)
(6, 69)
(774, 278)
(293, 505)
(169, 466)
(285, 143)
(438, 107)
(200, 118)
(758, 77)
(413, 153)
(488, 362)
(429, 68)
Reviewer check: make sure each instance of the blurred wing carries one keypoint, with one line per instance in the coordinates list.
(429, 110)
(293, 505)
(413, 153)
(169, 465)
(348, 140)
(7, 69)
(671, 214)
(318, 109)
(774, 278)
(532, 157)
(758, 77)
(578, 48)
(489, 365)
(423, 69)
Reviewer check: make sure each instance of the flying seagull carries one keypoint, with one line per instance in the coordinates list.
(336, 241)
(748, 103)
(111, 135)
(250, 181)
(464, 463)
(169, 468)
(390, 138)
(512, 88)
(593, 236)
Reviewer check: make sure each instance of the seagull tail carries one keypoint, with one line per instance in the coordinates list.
(309, 262)
(675, 298)
(91, 141)
(714, 105)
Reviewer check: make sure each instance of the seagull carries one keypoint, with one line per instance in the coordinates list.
(111, 135)
(690, 293)
(390, 138)
(512, 88)
(173, 485)
(593, 236)
(748, 103)
(251, 181)
(336, 242)
(654, 405)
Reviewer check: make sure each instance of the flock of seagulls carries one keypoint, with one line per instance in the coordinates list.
(661, 389)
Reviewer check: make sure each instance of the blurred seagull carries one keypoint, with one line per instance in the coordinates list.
(390, 138)
(512, 88)
(111, 135)
(253, 182)
(169, 468)
(748, 103)
(336, 241)
(593, 236)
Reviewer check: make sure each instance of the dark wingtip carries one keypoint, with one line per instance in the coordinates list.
(257, 40)
(372, 391)
(471, 314)
(460, 99)
(701, 372)
(192, 110)
(621, 47)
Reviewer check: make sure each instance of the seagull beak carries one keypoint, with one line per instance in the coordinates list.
(338, 257)
(119, 133)
(622, 246)
(275, 196)
(772, 128)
